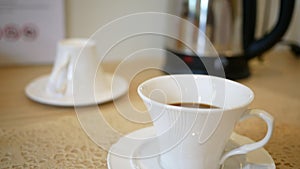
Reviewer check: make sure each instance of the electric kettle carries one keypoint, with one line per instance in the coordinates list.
(230, 25)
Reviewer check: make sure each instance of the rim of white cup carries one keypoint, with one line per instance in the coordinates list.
(139, 90)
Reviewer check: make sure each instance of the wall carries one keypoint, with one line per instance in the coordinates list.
(86, 17)
(294, 30)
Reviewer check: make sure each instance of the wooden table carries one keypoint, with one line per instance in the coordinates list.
(34, 135)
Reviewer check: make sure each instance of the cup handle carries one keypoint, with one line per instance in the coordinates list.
(253, 146)
(58, 78)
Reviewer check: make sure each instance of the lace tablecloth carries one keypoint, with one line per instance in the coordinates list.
(60, 143)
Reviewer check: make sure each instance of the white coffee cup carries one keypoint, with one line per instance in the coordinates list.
(76, 63)
(195, 138)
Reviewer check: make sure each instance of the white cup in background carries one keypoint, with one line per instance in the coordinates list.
(74, 54)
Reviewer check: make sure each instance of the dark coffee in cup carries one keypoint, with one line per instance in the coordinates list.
(194, 105)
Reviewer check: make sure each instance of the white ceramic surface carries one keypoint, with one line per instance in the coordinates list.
(36, 90)
(75, 63)
(188, 135)
(258, 159)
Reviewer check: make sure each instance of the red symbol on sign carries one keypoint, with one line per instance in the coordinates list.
(30, 32)
(11, 32)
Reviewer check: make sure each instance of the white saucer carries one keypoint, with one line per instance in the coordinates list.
(36, 90)
(259, 159)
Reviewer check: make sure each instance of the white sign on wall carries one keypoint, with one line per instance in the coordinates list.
(30, 30)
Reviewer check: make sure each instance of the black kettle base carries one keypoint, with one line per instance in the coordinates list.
(229, 67)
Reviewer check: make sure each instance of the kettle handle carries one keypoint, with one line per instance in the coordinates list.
(255, 47)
